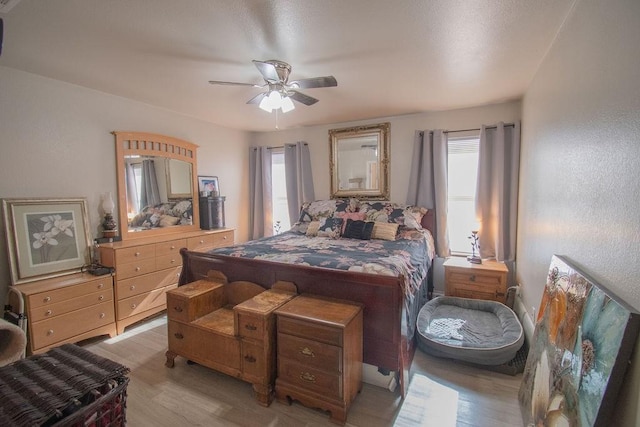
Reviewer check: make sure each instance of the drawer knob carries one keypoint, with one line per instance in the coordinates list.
(173, 247)
(102, 315)
(173, 261)
(306, 376)
(134, 305)
(472, 278)
(250, 359)
(46, 299)
(137, 254)
(137, 268)
(101, 297)
(100, 285)
(178, 335)
(50, 332)
(201, 241)
(178, 309)
(132, 287)
(48, 313)
(250, 327)
(306, 351)
(225, 237)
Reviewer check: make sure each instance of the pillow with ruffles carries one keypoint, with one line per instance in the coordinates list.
(384, 231)
(406, 215)
(314, 211)
(325, 227)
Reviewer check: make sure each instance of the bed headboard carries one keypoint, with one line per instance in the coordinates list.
(429, 222)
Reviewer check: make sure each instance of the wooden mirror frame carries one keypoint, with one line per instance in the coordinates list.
(149, 144)
(381, 132)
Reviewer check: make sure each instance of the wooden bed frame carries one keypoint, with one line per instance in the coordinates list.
(385, 335)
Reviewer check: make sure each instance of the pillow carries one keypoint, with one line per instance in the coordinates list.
(407, 215)
(326, 227)
(356, 216)
(168, 220)
(355, 229)
(313, 211)
(384, 231)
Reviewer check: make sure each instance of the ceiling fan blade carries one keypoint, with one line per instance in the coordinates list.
(301, 97)
(218, 82)
(268, 71)
(326, 81)
(256, 99)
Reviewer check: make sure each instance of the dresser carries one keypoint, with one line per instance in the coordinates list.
(146, 268)
(67, 309)
(229, 327)
(487, 281)
(319, 354)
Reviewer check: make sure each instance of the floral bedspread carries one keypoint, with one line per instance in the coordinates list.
(410, 255)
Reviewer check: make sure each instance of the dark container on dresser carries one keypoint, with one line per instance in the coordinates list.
(211, 212)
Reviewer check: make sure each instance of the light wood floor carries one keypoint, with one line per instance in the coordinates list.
(442, 393)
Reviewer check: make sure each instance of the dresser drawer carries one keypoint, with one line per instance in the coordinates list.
(50, 331)
(138, 268)
(168, 261)
(211, 240)
(254, 362)
(128, 255)
(303, 329)
(171, 247)
(68, 292)
(251, 326)
(143, 302)
(224, 238)
(51, 310)
(141, 284)
(201, 345)
(310, 353)
(472, 277)
(308, 378)
(478, 292)
(189, 302)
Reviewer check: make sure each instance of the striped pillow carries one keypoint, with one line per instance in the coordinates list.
(384, 231)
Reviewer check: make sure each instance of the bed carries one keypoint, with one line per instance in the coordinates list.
(376, 253)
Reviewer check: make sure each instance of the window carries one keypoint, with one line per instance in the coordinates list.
(279, 192)
(463, 173)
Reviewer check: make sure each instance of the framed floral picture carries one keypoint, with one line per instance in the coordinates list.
(209, 186)
(46, 237)
(581, 347)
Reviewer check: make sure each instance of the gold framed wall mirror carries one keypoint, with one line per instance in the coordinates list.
(167, 164)
(359, 161)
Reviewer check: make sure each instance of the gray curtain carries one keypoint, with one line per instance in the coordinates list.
(297, 168)
(497, 191)
(132, 190)
(150, 193)
(428, 181)
(260, 209)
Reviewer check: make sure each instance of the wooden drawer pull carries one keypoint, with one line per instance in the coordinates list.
(250, 359)
(250, 327)
(132, 287)
(138, 268)
(173, 261)
(101, 297)
(178, 309)
(306, 351)
(178, 335)
(102, 315)
(48, 313)
(472, 278)
(137, 254)
(134, 305)
(173, 247)
(306, 376)
(101, 285)
(46, 299)
(50, 332)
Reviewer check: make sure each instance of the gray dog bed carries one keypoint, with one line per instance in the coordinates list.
(476, 331)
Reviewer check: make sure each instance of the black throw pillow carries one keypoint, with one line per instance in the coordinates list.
(356, 229)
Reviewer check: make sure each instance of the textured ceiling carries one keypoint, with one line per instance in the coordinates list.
(389, 57)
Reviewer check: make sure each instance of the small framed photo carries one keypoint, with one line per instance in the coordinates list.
(46, 237)
(208, 186)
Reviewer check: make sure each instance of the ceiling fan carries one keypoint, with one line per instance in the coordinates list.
(280, 91)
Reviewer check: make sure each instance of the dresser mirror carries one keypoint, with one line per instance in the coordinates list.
(157, 185)
(359, 162)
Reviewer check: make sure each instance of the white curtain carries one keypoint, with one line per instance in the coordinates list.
(260, 209)
(150, 192)
(497, 190)
(428, 181)
(299, 179)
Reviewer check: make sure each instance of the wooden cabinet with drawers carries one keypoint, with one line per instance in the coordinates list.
(319, 354)
(486, 281)
(146, 268)
(229, 327)
(67, 309)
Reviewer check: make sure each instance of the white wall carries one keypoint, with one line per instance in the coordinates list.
(579, 181)
(55, 141)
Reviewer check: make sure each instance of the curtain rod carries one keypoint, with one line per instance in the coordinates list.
(477, 129)
(278, 146)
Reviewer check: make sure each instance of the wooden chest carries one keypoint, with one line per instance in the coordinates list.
(320, 354)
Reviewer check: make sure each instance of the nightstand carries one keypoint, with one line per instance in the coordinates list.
(486, 281)
(320, 354)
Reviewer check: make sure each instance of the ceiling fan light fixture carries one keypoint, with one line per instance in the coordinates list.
(287, 104)
(265, 104)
